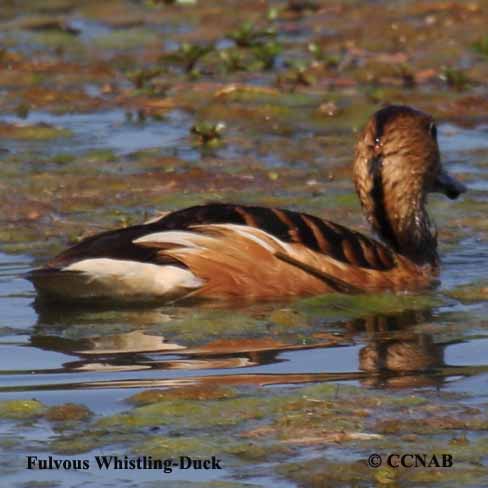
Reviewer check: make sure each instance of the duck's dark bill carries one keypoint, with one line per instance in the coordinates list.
(448, 185)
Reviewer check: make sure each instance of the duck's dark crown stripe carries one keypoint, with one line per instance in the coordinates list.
(382, 220)
(388, 114)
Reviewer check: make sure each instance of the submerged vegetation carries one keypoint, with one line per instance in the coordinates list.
(253, 430)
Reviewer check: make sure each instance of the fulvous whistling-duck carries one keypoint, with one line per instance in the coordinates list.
(225, 251)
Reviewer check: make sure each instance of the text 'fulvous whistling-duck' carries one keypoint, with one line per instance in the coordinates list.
(226, 251)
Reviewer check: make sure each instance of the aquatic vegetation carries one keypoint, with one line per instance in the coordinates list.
(234, 60)
(475, 292)
(319, 54)
(68, 412)
(126, 39)
(481, 46)
(162, 447)
(456, 78)
(188, 55)
(140, 78)
(249, 34)
(300, 6)
(298, 74)
(49, 25)
(266, 53)
(334, 306)
(209, 133)
(21, 409)
(190, 393)
(22, 110)
(265, 428)
(40, 131)
(111, 113)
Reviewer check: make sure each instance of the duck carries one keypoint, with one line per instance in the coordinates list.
(225, 251)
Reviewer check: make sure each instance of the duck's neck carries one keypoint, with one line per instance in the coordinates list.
(410, 234)
(399, 217)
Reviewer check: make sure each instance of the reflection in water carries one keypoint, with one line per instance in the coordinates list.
(393, 353)
(401, 356)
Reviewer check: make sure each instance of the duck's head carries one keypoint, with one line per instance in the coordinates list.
(397, 163)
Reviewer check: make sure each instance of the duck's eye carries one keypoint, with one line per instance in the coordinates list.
(433, 130)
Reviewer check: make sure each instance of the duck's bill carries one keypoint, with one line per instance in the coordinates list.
(448, 185)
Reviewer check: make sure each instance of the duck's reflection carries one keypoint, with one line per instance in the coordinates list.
(399, 355)
(394, 354)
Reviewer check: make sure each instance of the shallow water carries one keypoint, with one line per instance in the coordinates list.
(53, 372)
(288, 394)
(103, 130)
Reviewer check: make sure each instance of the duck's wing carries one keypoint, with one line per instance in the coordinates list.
(313, 233)
(224, 251)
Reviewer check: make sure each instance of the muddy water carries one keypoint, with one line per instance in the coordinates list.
(97, 105)
(100, 358)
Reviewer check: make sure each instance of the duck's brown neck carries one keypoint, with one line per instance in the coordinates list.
(398, 215)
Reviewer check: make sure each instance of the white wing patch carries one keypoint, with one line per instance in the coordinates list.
(176, 237)
(194, 240)
(121, 279)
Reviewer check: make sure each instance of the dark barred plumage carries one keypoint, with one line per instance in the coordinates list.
(314, 233)
(317, 234)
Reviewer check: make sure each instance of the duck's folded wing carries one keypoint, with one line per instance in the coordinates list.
(224, 251)
(239, 260)
(217, 261)
(235, 261)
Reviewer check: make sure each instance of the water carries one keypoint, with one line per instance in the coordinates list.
(289, 394)
(100, 357)
(102, 130)
(78, 349)
(422, 359)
